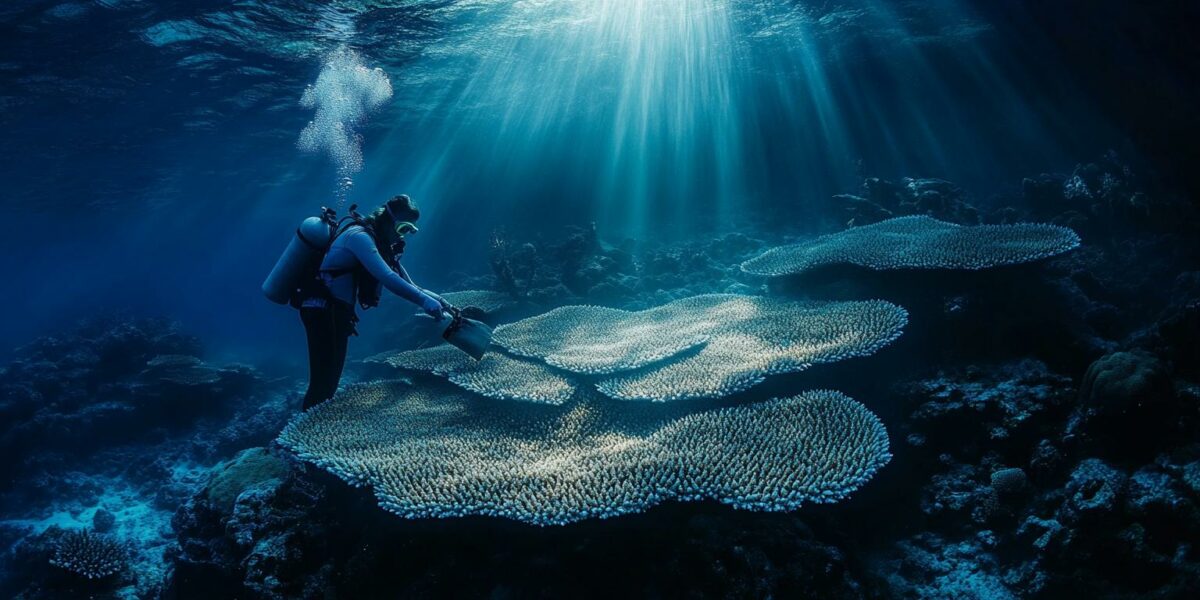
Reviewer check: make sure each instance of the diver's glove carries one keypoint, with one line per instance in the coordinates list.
(432, 307)
(446, 306)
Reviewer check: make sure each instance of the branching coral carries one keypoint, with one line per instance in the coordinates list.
(439, 360)
(429, 453)
(504, 377)
(88, 554)
(919, 242)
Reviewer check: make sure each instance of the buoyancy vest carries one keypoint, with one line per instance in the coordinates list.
(367, 289)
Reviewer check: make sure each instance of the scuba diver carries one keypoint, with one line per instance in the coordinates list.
(331, 265)
(363, 256)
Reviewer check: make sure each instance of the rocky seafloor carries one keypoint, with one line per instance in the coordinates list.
(1044, 422)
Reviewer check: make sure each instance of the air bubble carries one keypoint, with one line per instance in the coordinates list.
(344, 94)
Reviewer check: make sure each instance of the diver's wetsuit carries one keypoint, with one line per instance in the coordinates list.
(329, 323)
(328, 330)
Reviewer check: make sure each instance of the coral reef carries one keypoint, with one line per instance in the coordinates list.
(594, 340)
(503, 377)
(741, 340)
(1045, 416)
(1119, 382)
(489, 302)
(496, 375)
(248, 469)
(304, 538)
(773, 337)
(88, 554)
(434, 453)
(880, 199)
(928, 566)
(1020, 494)
(918, 242)
(1105, 199)
(114, 424)
(442, 359)
(107, 383)
(977, 407)
(1015, 475)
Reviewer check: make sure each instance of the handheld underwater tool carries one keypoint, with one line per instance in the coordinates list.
(466, 334)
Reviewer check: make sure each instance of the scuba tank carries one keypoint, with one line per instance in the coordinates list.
(301, 258)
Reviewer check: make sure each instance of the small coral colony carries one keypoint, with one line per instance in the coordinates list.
(590, 412)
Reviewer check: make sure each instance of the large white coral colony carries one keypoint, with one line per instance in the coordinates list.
(919, 242)
(429, 452)
(565, 454)
(707, 346)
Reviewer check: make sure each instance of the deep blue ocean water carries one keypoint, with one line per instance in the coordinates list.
(156, 157)
(151, 147)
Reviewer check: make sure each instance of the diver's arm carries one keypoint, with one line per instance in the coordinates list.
(404, 273)
(363, 247)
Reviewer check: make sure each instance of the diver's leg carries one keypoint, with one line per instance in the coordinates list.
(343, 328)
(318, 326)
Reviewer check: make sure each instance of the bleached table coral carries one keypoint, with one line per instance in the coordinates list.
(778, 336)
(918, 242)
(707, 346)
(594, 340)
(497, 376)
(486, 300)
(442, 453)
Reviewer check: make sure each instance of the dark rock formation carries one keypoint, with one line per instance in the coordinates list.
(1105, 201)
(880, 199)
(297, 536)
(982, 409)
(107, 383)
(110, 427)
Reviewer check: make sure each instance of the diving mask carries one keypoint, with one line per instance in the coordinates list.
(404, 228)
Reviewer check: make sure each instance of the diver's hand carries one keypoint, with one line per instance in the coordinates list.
(446, 306)
(432, 308)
